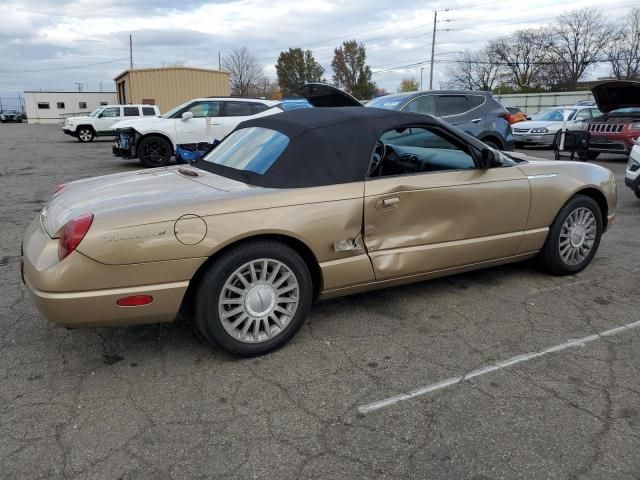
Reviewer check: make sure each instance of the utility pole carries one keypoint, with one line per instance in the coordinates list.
(433, 48)
(131, 52)
(79, 85)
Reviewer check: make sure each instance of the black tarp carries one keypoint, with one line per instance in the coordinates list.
(326, 146)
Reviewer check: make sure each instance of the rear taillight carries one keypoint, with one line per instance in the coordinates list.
(73, 233)
(506, 116)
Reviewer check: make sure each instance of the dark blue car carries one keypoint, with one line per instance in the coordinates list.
(475, 112)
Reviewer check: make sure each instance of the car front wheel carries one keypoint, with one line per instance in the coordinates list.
(154, 152)
(85, 134)
(574, 237)
(254, 298)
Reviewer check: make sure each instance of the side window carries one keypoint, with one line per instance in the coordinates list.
(43, 105)
(131, 111)
(60, 105)
(452, 105)
(584, 114)
(424, 104)
(596, 113)
(413, 150)
(238, 109)
(82, 105)
(148, 111)
(110, 112)
(257, 107)
(204, 109)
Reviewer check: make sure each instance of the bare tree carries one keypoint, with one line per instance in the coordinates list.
(245, 71)
(475, 71)
(624, 50)
(523, 55)
(578, 40)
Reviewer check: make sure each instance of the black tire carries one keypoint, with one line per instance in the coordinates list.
(550, 254)
(207, 317)
(85, 134)
(492, 144)
(637, 192)
(518, 145)
(584, 156)
(154, 151)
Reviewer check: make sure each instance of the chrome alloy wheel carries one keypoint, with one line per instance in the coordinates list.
(258, 300)
(85, 135)
(577, 236)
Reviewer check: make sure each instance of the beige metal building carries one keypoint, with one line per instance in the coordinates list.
(170, 86)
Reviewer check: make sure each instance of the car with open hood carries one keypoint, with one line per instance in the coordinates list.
(542, 128)
(202, 120)
(618, 128)
(301, 206)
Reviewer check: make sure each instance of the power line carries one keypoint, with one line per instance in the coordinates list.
(66, 67)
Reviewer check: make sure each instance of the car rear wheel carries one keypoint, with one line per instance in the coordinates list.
(85, 134)
(492, 144)
(574, 237)
(254, 298)
(584, 156)
(154, 152)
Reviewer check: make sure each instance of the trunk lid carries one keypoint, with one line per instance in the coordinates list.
(616, 94)
(323, 95)
(121, 193)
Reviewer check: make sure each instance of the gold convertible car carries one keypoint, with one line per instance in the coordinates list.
(304, 205)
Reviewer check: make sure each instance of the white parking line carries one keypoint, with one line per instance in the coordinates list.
(370, 407)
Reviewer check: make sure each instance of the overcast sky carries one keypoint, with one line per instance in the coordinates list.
(52, 44)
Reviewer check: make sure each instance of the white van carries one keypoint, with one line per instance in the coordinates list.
(99, 122)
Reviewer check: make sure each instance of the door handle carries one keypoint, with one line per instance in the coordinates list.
(387, 203)
(476, 120)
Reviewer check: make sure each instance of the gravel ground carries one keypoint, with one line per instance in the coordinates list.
(153, 402)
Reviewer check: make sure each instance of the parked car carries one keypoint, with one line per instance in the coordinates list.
(99, 122)
(632, 175)
(475, 112)
(8, 115)
(617, 128)
(516, 115)
(542, 128)
(307, 204)
(203, 120)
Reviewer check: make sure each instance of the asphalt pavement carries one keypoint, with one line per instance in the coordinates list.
(476, 376)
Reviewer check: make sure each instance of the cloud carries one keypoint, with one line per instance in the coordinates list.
(52, 36)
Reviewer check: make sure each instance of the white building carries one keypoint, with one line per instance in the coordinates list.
(53, 107)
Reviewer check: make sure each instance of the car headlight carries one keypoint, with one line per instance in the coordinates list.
(539, 130)
(634, 126)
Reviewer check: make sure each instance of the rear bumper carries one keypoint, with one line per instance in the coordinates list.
(80, 292)
(98, 308)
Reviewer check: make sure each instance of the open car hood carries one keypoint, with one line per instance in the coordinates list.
(617, 94)
(323, 95)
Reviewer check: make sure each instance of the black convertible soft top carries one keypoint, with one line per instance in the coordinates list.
(326, 146)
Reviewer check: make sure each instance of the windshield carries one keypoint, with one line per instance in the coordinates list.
(389, 102)
(175, 110)
(96, 111)
(252, 149)
(555, 115)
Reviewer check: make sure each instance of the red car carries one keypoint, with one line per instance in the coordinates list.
(617, 130)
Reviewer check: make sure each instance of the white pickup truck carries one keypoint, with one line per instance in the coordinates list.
(99, 122)
(203, 120)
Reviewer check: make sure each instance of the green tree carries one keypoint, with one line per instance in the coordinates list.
(408, 85)
(296, 67)
(350, 70)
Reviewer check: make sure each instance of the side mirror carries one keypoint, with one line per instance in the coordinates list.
(489, 158)
(187, 115)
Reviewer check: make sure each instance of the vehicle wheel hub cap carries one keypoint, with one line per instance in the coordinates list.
(258, 300)
(577, 236)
